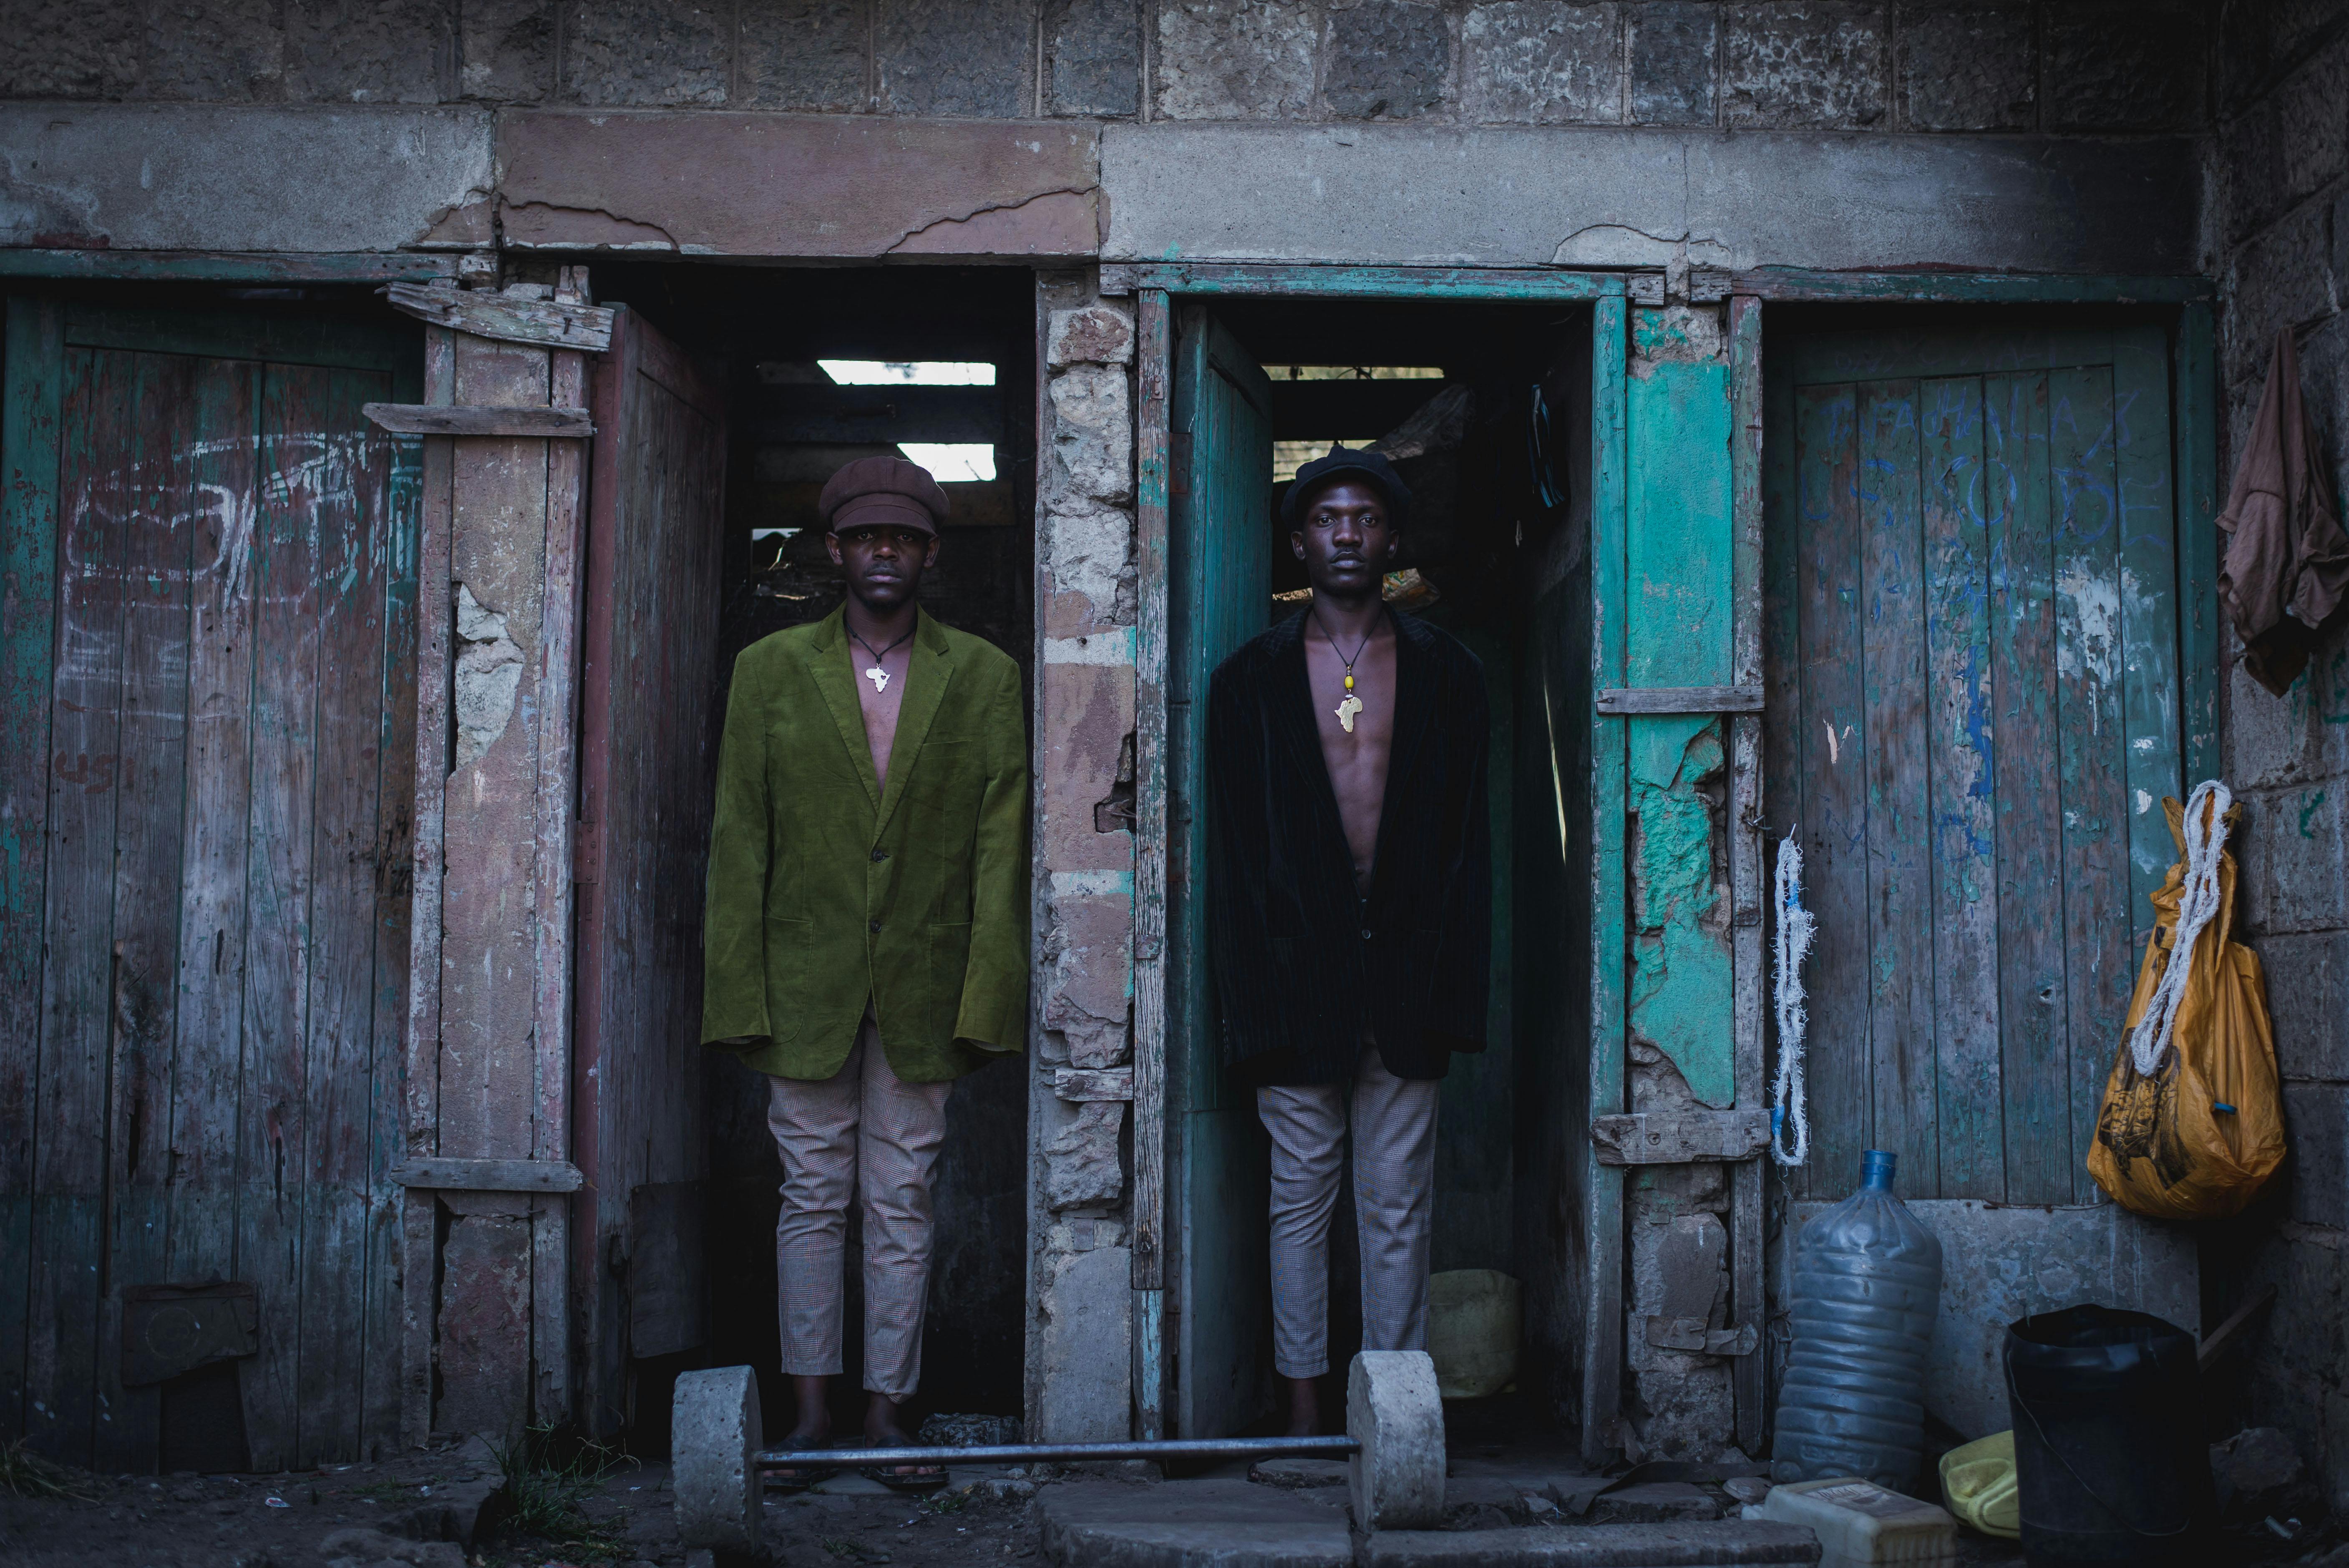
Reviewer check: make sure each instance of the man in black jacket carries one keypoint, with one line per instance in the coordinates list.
(1349, 905)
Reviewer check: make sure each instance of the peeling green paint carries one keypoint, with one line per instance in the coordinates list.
(1680, 978)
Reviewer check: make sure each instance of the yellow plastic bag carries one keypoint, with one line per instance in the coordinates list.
(2197, 1136)
(1977, 1485)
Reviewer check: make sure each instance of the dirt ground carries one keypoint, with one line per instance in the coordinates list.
(623, 1520)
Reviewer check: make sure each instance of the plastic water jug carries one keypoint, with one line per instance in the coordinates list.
(1866, 1283)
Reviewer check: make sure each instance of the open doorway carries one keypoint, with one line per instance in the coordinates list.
(731, 395)
(1485, 408)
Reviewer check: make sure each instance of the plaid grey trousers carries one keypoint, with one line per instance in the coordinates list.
(1394, 1201)
(859, 1130)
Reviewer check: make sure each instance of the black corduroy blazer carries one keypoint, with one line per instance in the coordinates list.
(1304, 974)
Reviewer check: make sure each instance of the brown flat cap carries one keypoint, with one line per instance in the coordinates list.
(881, 490)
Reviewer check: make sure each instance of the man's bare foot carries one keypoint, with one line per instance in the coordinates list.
(811, 1428)
(1304, 1406)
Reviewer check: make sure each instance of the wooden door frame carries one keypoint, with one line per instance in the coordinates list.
(1155, 285)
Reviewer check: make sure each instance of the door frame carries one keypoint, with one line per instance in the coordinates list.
(1154, 286)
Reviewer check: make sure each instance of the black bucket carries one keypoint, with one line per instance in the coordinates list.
(2109, 1451)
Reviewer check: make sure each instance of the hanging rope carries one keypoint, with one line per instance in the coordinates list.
(2197, 905)
(1792, 945)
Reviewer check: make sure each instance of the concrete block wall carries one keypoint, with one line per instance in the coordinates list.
(2093, 67)
(1080, 1255)
(2278, 234)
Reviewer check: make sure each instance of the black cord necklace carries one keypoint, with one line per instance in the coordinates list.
(1349, 705)
(880, 678)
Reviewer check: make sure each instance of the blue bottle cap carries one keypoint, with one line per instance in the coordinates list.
(1876, 1168)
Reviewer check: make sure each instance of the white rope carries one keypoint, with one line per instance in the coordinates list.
(1797, 926)
(2198, 906)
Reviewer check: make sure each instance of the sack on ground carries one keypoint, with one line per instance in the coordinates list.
(2197, 1136)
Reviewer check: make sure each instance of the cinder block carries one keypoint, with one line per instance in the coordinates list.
(70, 48)
(1803, 63)
(2324, 382)
(1543, 62)
(1085, 1316)
(1090, 553)
(805, 55)
(2270, 741)
(1093, 53)
(1674, 45)
(646, 52)
(2279, 279)
(2308, 977)
(2312, 143)
(215, 51)
(2260, 42)
(1388, 59)
(955, 57)
(2293, 866)
(1081, 1164)
(1235, 59)
(2250, 190)
(369, 51)
(505, 50)
(1091, 434)
(1968, 68)
(2126, 65)
(1092, 334)
(2316, 1120)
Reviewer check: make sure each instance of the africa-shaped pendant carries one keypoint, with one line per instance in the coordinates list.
(1347, 709)
(880, 679)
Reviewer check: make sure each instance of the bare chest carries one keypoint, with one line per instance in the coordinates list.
(880, 701)
(1357, 733)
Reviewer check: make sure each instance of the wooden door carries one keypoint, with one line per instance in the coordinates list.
(1220, 594)
(648, 746)
(1972, 653)
(207, 658)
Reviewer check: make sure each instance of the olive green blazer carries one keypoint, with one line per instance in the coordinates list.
(825, 890)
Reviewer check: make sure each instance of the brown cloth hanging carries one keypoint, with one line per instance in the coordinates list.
(2287, 565)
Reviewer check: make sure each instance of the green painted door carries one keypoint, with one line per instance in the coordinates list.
(1219, 569)
(1972, 624)
(208, 566)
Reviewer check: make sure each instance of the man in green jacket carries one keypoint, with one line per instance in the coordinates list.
(866, 940)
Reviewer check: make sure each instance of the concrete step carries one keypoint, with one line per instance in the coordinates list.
(1230, 1524)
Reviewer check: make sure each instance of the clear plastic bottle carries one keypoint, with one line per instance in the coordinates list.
(1866, 1283)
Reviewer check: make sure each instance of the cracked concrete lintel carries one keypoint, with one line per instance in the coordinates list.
(1432, 195)
(724, 184)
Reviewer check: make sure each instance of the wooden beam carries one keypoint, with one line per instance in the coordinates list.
(1792, 283)
(542, 323)
(1679, 1137)
(1081, 1084)
(1324, 281)
(476, 419)
(1747, 1289)
(2202, 639)
(444, 1175)
(215, 267)
(1645, 700)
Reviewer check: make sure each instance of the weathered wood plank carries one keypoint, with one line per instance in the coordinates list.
(98, 427)
(1602, 1217)
(544, 323)
(30, 432)
(2034, 1080)
(149, 490)
(346, 478)
(1900, 823)
(276, 1113)
(1832, 745)
(2149, 611)
(1961, 776)
(1093, 1083)
(2201, 637)
(449, 1175)
(2091, 771)
(433, 419)
(1692, 699)
(1675, 1138)
(419, 1077)
(1153, 352)
(1782, 634)
(1746, 798)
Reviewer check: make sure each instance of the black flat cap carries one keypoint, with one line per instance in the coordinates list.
(1341, 462)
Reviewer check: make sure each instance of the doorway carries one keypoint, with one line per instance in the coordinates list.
(733, 393)
(1486, 409)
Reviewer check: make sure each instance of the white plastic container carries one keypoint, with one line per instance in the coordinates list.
(1860, 1524)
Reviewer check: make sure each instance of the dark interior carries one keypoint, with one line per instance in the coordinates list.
(760, 332)
(1498, 538)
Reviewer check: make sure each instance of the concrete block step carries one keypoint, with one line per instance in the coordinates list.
(1726, 1543)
